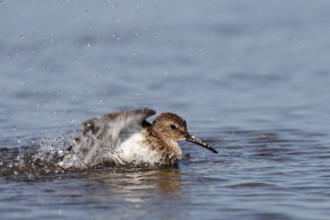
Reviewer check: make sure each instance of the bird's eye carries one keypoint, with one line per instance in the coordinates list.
(173, 127)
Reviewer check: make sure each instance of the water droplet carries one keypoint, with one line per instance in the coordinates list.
(21, 35)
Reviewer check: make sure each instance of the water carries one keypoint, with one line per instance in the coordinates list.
(250, 77)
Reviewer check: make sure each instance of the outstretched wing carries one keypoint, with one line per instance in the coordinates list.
(116, 127)
(105, 134)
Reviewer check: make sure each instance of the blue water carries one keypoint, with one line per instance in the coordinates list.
(250, 77)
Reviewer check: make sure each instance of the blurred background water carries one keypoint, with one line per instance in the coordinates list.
(250, 77)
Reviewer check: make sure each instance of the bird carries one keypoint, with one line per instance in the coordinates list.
(127, 138)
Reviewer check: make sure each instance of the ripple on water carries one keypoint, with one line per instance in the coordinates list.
(250, 185)
(254, 171)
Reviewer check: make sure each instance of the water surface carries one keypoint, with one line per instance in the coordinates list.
(250, 78)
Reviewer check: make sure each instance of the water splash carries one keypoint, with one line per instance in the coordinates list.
(39, 159)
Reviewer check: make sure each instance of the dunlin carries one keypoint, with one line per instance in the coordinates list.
(127, 138)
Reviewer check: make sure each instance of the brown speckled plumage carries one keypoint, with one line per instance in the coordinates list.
(126, 137)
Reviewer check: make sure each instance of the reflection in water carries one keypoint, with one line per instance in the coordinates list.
(139, 192)
(132, 182)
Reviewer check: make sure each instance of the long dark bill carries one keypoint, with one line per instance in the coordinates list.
(195, 140)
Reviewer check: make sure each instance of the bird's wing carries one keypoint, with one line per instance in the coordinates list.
(105, 134)
(117, 127)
